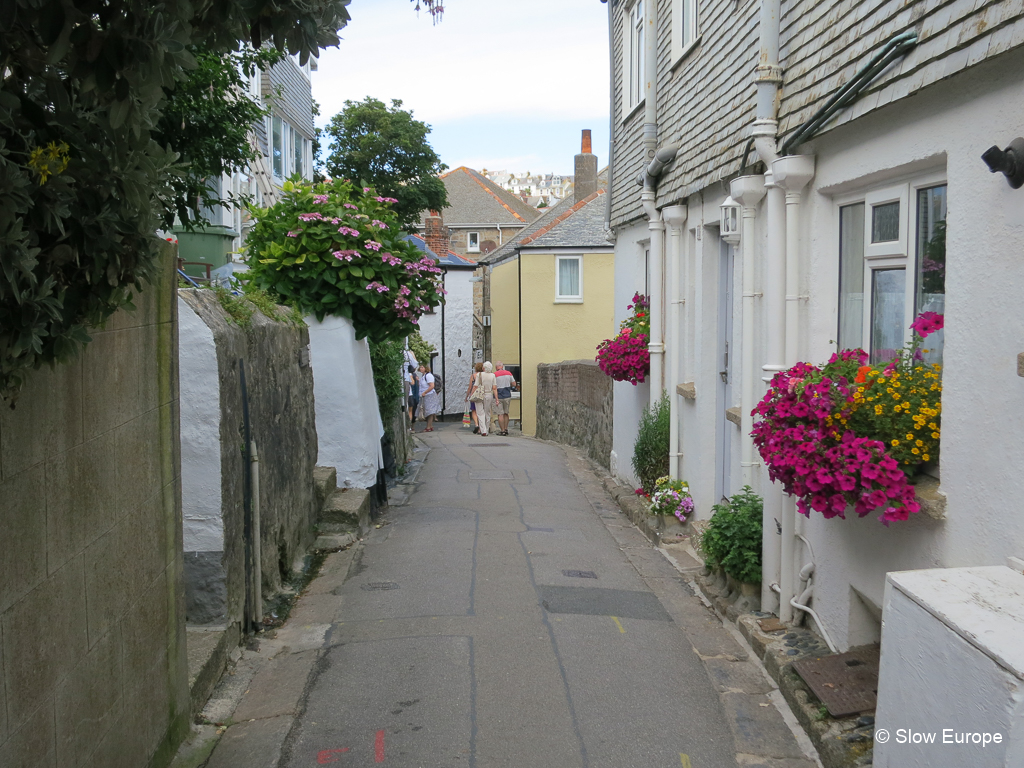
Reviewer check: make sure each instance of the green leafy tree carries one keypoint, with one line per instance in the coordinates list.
(386, 148)
(84, 178)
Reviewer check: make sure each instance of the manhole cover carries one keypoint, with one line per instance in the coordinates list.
(497, 474)
(580, 574)
(492, 445)
(544, 530)
(379, 586)
(846, 683)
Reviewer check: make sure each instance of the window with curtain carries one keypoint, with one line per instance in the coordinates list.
(892, 267)
(277, 148)
(298, 153)
(569, 278)
(633, 47)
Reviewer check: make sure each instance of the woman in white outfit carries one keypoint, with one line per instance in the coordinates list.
(488, 384)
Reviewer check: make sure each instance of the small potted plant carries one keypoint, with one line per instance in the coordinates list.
(671, 501)
(731, 545)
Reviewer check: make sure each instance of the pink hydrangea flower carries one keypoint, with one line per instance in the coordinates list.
(372, 245)
(348, 231)
(320, 199)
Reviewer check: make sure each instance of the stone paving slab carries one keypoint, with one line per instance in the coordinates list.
(252, 745)
(277, 688)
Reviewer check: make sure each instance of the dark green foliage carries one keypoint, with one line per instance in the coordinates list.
(421, 348)
(732, 539)
(650, 451)
(84, 180)
(364, 270)
(386, 358)
(386, 148)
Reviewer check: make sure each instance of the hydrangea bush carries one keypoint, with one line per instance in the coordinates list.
(849, 433)
(672, 497)
(625, 358)
(336, 249)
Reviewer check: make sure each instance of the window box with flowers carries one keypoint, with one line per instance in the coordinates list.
(853, 434)
(626, 358)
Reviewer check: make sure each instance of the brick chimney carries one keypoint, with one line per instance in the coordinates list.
(585, 183)
(436, 234)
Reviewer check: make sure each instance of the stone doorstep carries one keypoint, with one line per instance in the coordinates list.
(208, 649)
(349, 507)
(325, 482)
(841, 743)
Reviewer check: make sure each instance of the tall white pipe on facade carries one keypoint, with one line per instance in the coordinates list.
(747, 191)
(675, 217)
(791, 174)
(656, 344)
(650, 135)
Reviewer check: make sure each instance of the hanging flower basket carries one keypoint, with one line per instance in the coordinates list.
(625, 358)
(849, 433)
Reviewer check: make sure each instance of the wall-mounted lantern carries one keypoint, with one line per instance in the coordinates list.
(730, 227)
(1009, 162)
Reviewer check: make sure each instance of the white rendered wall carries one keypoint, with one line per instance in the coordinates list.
(629, 401)
(202, 517)
(348, 422)
(457, 365)
(952, 658)
(945, 129)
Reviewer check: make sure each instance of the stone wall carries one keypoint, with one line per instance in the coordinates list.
(574, 406)
(280, 393)
(93, 671)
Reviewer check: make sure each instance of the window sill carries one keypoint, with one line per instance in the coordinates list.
(632, 111)
(734, 415)
(687, 390)
(569, 301)
(678, 58)
(930, 497)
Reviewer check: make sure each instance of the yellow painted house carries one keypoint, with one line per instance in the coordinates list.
(551, 291)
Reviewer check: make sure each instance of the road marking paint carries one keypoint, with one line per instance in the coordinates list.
(618, 624)
(325, 756)
(378, 748)
(685, 760)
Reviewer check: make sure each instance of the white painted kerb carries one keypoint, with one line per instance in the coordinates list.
(952, 662)
(348, 425)
(199, 383)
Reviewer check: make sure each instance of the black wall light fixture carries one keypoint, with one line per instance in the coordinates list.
(1009, 162)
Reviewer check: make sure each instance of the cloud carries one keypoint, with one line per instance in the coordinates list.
(542, 59)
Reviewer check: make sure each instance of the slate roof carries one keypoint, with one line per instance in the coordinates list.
(566, 225)
(474, 199)
(451, 259)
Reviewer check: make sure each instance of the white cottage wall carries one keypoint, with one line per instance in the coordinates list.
(629, 401)
(348, 421)
(199, 382)
(982, 419)
(458, 331)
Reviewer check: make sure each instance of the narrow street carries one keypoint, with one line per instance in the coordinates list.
(508, 615)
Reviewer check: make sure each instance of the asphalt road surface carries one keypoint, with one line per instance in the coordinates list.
(498, 620)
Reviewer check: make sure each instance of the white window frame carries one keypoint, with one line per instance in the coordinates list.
(283, 148)
(561, 298)
(898, 254)
(472, 247)
(633, 64)
(685, 36)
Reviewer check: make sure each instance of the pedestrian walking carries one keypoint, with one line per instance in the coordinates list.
(477, 368)
(487, 389)
(505, 383)
(430, 403)
(413, 388)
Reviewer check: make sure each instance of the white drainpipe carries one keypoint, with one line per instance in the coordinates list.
(675, 217)
(768, 80)
(791, 174)
(747, 191)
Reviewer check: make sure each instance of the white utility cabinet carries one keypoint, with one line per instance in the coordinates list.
(952, 668)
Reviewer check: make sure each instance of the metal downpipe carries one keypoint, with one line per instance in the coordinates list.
(675, 217)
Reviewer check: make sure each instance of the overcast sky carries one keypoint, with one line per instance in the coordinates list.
(504, 84)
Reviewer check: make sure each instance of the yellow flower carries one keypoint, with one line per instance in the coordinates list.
(926, 457)
(918, 443)
(909, 436)
(933, 425)
(878, 410)
(889, 390)
(914, 451)
(935, 435)
(894, 443)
